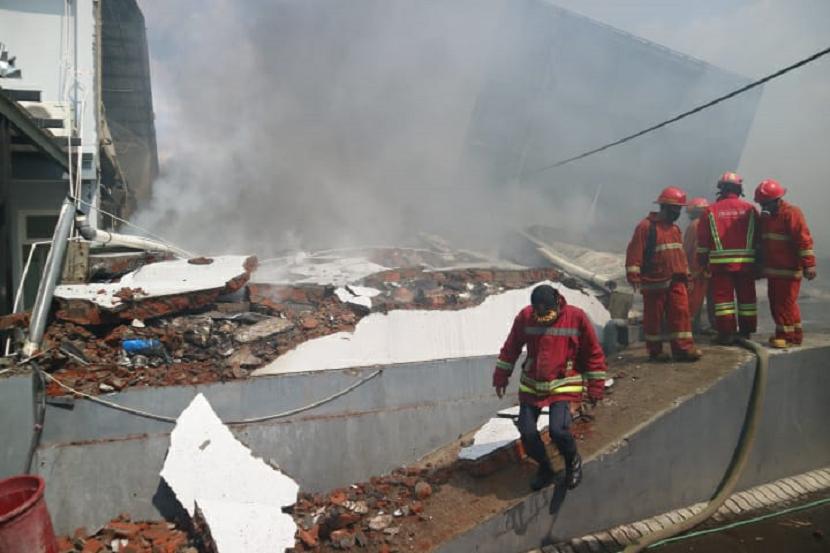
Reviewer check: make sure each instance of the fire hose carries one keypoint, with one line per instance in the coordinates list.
(736, 467)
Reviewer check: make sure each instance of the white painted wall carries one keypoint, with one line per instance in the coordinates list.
(54, 42)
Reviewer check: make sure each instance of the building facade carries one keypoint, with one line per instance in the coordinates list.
(68, 63)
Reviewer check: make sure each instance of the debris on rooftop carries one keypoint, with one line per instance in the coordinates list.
(229, 336)
(238, 498)
(153, 290)
(122, 535)
(409, 335)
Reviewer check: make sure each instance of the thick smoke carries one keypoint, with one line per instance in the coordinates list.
(789, 137)
(318, 123)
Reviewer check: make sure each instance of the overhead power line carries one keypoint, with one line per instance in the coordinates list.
(683, 115)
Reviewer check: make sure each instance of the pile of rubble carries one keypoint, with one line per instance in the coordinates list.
(122, 535)
(234, 333)
(380, 515)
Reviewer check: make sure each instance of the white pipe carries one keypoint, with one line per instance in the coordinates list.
(128, 240)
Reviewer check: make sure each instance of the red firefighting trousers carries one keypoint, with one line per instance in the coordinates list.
(783, 302)
(671, 303)
(697, 293)
(725, 287)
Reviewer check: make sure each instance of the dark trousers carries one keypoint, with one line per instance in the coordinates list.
(559, 426)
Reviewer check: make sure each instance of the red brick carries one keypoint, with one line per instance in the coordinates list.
(65, 545)
(311, 537)
(124, 529)
(93, 546)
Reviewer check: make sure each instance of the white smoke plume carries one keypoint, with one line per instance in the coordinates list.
(312, 123)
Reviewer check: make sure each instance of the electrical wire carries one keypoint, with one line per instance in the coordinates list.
(126, 222)
(683, 115)
(172, 420)
(739, 523)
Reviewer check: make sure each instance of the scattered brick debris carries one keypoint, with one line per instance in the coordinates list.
(382, 514)
(15, 320)
(122, 535)
(211, 341)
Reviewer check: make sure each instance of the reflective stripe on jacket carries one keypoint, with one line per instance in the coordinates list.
(564, 357)
(727, 237)
(786, 243)
(668, 261)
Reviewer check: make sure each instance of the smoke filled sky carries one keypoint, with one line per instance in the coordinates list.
(298, 124)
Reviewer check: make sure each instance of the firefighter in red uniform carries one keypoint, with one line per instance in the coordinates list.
(726, 248)
(787, 254)
(564, 359)
(656, 264)
(698, 279)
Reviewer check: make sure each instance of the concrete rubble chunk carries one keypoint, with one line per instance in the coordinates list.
(153, 290)
(239, 496)
(496, 433)
(380, 522)
(262, 329)
(386, 338)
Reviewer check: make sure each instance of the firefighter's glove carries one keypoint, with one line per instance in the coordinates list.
(500, 380)
(810, 273)
(595, 393)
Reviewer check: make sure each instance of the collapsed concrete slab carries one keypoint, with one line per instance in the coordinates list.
(154, 290)
(239, 497)
(496, 433)
(406, 336)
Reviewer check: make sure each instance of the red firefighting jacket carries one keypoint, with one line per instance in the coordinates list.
(786, 244)
(667, 263)
(690, 248)
(561, 356)
(727, 237)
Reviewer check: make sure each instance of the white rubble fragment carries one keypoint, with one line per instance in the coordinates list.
(363, 291)
(262, 329)
(231, 526)
(358, 295)
(405, 336)
(160, 279)
(240, 496)
(315, 269)
(495, 434)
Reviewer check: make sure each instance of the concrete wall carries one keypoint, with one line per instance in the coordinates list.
(679, 459)
(33, 30)
(99, 462)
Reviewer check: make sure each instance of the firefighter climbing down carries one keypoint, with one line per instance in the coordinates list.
(727, 241)
(564, 360)
(656, 264)
(787, 255)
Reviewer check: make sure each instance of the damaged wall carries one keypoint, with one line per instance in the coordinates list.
(114, 458)
(110, 461)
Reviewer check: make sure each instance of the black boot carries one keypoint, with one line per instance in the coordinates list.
(544, 477)
(573, 472)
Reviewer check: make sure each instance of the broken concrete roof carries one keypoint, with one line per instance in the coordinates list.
(420, 335)
(239, 497)
(154, 290)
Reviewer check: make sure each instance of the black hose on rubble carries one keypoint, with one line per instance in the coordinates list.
(739, 459)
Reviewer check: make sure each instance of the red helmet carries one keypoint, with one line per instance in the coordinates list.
(769, 190)
(671, 196)
(698, 204)
(731, 178)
